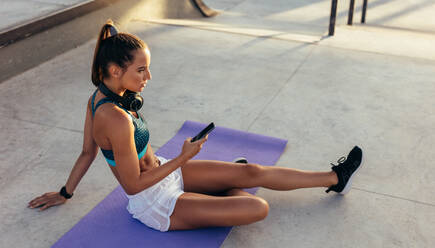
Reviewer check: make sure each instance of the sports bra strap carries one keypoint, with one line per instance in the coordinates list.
(92, 102)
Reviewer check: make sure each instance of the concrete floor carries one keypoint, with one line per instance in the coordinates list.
(323, 96)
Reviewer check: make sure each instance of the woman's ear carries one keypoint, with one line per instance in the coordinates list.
(115, 71)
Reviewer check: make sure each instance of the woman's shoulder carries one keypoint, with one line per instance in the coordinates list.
(113, 123)
(113, 113)
(109, 112)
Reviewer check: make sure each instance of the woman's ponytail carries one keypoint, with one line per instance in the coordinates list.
(106, 31)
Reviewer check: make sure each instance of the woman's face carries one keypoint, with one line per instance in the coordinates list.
(138, 73)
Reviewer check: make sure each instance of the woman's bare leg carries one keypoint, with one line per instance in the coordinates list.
(194, 210)
(204, 176)
(237, 192)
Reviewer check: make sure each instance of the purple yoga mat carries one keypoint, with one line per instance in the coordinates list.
(110, 225)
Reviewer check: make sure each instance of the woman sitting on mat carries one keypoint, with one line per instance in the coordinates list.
(179, 193)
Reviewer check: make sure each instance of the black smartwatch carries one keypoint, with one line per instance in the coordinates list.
(64, 193)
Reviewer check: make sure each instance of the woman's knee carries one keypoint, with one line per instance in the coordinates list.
(253, 170)
(261, 208)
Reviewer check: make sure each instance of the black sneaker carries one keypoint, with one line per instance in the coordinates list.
(345, 170)
(240, 160)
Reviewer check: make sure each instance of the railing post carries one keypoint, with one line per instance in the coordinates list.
(350, 16)
(364, 11)
(333, 17)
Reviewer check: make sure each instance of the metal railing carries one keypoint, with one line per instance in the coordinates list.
(349, 17)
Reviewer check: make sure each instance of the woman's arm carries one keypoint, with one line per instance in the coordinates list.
(87, 156)
(82, 164)
(121, 136)
(151, 177)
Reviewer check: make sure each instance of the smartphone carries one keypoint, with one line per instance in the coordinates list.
(203, 133)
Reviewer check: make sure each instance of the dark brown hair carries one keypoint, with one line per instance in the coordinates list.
(113, 47)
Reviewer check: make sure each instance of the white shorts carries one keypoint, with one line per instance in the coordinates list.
(154, 205)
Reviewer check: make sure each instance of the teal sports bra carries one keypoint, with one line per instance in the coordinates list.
(141, 133)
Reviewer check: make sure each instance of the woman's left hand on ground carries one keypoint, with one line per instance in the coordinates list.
(47, 200)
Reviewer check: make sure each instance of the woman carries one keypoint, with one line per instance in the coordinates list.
(179, 193)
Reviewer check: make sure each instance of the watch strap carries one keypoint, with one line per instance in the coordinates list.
(64, 193)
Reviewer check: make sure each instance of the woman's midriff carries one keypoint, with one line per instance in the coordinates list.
(148, 162)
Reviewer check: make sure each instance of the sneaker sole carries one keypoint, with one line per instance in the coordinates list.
(240, 158)
(349, 183)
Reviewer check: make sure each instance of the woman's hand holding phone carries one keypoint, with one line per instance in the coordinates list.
(192, 146)
(190, 149)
